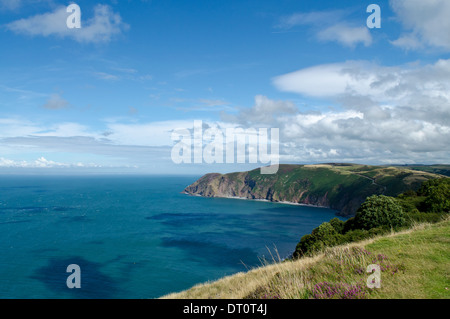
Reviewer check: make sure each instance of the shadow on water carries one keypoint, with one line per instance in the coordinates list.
(201, 219)
(178, 219)
(76, 218)
(94, 283)
(15, 222)
(287, 208)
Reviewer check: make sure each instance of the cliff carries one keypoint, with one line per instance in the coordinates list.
(342, 187)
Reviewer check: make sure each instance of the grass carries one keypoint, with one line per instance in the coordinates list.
(426, 256)
(414, 264)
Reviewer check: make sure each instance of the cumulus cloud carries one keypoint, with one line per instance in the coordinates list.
(100, 28)
(359, 83)
(319, 81)
(263, 112)
(426, 23)
(387, 114)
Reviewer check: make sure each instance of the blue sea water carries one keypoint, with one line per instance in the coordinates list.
(133, 236)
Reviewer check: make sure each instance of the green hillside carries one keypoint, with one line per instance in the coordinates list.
(343, 187)
(435, 169)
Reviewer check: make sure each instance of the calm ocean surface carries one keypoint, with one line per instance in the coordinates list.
(133, 236)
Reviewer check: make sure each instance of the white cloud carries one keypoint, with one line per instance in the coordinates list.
(322, 80)
(10, 4)
(408, 42)
(315, 18)
(427, 23)
(362, 82)
(67, 129)
(42, 162)
(346, 35)
(263, 112)
(120, 146)
(145, 134)
(106, 76)
(11, 127)
(329, 26)
(100, 28)
(116, 132)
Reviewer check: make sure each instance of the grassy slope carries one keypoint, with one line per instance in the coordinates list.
(436, 169)
(415, 264)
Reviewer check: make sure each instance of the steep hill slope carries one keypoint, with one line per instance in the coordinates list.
(342, 187)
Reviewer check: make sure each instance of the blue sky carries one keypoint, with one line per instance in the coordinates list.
(106, 97)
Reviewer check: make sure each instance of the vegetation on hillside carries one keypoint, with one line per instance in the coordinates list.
(381, 214)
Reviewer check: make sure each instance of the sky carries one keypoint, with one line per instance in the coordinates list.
(106, 97)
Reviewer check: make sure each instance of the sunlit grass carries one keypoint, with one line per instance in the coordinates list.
(414, 264)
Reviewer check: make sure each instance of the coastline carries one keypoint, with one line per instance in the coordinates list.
(263, 200)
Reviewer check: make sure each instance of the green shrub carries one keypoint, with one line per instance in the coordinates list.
(323, 236)
(338, 225)
(380, 211)
(349, 225)
(437, 192)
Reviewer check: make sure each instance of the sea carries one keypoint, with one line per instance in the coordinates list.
(134, 237)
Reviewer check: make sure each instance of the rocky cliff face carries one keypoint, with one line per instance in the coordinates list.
(242, 185)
